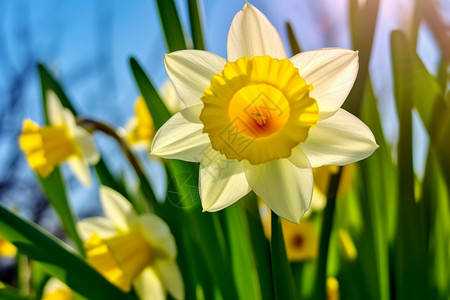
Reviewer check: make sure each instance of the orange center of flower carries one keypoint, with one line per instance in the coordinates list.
(263, 117)
(258, 109)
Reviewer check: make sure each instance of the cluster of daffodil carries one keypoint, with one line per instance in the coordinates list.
(257, 127)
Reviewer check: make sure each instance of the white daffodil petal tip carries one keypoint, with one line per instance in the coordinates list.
(339, 140)
(116, 207)
(285, 188)
(191, 72)
(251, 34)
(181, 137)
(331, 72)
(222, 182)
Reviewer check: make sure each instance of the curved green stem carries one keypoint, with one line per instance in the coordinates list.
(92, 125)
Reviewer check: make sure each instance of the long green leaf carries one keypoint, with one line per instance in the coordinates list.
(295, 46)
(325, 234)
(242, 258)
(173, 32)
(9, 294)
(410, 277)
(196, 25)
(427, 96)
(283, 283)
(378, 198)
(54, 189)
(159, 112)
(261, 247)
(363, 19)
(56, 258)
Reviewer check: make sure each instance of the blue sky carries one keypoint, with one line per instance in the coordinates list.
(87, 44)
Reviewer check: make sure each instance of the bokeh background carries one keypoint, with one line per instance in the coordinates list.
(87, 44)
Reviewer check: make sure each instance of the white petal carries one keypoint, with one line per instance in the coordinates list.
(286, 189)
(331, 72)
(86, 143)
(116, 208)
(53, 285)
(191, 72)
(171, 277)
(253, 173)
(158, 234)
(251, 34)
(102, 226)
(149, 286)
(299, 158)
(222, 181)
(181, 137)
(339, 140)
(54, 109)
(80, 169)
(170, 97)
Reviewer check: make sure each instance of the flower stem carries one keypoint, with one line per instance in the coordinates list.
(92, 125)
(283, 283)
(321, 271)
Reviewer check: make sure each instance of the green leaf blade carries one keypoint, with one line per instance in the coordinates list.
(55, 258)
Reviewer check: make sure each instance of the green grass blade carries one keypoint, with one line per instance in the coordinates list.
(173, 32)
(295, 46)
(38, 278)
(261, 247)
(156, 106)
(54, 188)
(196, 25)
(9, 294)
(378, 197)
(325, 234)
(363, 19)
(242, 258)
(283, 282)
(410, 272)
(428, 98)
(55, 258)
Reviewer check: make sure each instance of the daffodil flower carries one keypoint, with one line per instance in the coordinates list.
(332, 289)
(322, 177)
(56, 290)
(132, 250)
(259, 121)
(140, 130)
(62, 141)
(301, 241)
(7, 249)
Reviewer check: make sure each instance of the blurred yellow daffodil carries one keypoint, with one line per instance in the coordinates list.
(347, 246)
(56, 290)
(322, 177)
(332, 289)
(130, 249)
(260, 121)
(62, 141)
(7, 249)
(140, 129)
(301, 241)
